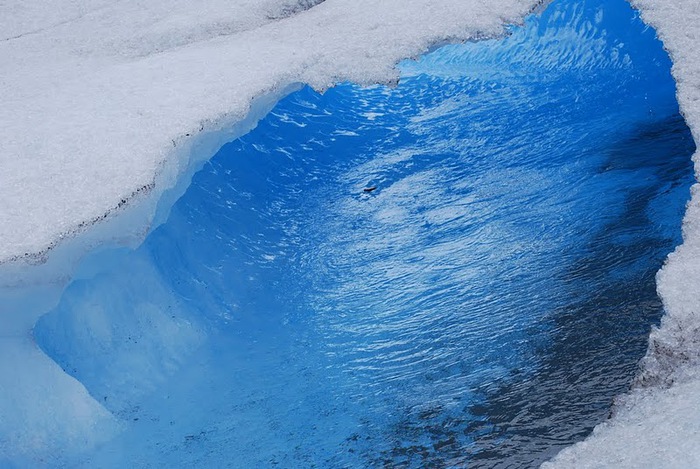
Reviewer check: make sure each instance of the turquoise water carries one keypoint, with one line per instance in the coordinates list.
(481, 306)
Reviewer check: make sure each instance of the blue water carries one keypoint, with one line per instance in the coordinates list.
(481, 307)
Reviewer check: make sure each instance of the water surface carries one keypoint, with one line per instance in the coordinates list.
(481, 306)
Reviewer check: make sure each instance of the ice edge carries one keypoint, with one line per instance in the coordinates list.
(656, 423)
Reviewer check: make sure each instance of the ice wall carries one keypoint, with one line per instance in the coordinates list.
(658, 423)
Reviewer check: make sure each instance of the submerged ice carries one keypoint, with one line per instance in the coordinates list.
(482, 306)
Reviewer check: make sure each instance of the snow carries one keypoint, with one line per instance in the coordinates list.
(678, 339)
(655, 429)
(98, 96)
(657, 424)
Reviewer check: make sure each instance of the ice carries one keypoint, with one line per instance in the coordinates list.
(62, 415)
(653, 428)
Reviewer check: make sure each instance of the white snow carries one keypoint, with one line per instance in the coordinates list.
(97, 95)
(658, 429)
(658, 423)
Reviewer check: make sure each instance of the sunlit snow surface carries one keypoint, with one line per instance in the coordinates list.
(107, 103)
(482, 306)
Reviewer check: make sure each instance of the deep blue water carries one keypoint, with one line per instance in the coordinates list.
(482, 306)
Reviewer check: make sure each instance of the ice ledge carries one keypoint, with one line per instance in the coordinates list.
(132, 217)
(88, 125)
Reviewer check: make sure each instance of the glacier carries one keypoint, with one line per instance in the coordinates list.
(111, 127)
